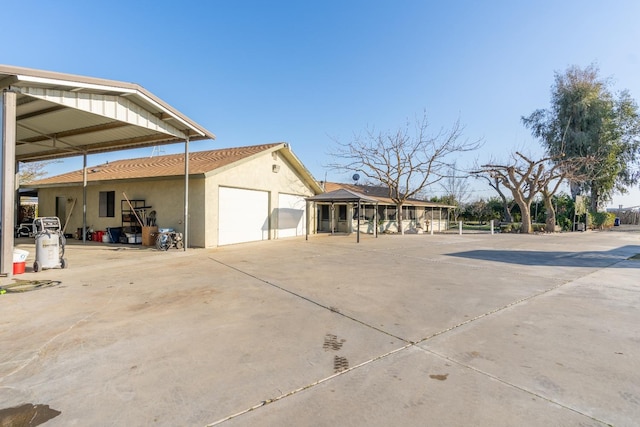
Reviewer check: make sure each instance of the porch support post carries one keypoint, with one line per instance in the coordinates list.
(358, 232)
(8, 187)
(186, 194)
(375, 220)
(333, 211)
(431, 228)
(306, 237)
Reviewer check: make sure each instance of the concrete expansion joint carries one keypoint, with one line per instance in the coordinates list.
(330, 308)
(408, 344)
(308, 386)
(512, 385)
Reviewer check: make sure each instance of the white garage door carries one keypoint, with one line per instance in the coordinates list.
(291, 215)
(244, 216)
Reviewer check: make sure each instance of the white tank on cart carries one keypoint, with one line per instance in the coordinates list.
(49, 244)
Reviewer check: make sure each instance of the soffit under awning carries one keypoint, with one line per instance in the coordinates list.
(61, 115)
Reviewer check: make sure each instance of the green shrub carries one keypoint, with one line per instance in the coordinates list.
(506, 228)
(601, 220)
(565, 224)
(538, 227)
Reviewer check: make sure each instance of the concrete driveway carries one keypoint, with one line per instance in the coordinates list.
(400, 330)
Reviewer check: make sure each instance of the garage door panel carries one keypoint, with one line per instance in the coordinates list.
(291, 215)
(243, 215)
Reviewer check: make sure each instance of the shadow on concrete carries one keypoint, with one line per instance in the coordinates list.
(594, 259)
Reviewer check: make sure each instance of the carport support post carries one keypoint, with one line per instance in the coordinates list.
(8, 187)
(84, 198)
(185, 238)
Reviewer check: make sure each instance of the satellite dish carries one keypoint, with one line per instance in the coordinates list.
(355, 177)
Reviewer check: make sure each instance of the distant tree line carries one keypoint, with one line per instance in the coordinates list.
(591, 141)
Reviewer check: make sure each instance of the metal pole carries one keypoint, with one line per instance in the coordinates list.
(460, 227)
(491, 226)
(84, 198)
(186, 194)
(358, 232)
(333, 214)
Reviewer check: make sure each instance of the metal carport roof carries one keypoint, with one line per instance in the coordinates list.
(341, 195)
(47, 115)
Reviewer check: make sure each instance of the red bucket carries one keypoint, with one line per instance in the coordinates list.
(18, 267)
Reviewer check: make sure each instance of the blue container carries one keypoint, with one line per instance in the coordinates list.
(114, 234)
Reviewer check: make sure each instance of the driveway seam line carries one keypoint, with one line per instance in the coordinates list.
(331, 309)
(409, 344)
(507, 383)
(311, 385)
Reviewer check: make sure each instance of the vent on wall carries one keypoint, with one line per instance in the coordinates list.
(275, 168)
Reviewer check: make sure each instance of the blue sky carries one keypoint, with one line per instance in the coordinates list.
(309, 73)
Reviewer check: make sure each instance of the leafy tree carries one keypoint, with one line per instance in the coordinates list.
(478, 210)
(405, 161)
(496, 208)
(564, 205)
(507, 204)
(586, 120)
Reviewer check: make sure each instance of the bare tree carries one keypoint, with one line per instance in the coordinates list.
(456, 189)
(405, 162)
(523, 177)
(32, 171)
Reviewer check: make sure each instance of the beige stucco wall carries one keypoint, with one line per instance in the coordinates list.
(255, 174)
(166, 197)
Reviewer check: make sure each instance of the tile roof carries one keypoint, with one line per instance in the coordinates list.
(200, 162)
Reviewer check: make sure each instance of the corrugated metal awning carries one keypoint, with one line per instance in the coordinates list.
(46, 115)
(62, 115)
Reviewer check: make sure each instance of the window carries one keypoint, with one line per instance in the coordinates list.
(107, 204)
(369, 212)
(409, 212)
(391, 213)
(324, 212)
(342, 212)
(381, 213)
